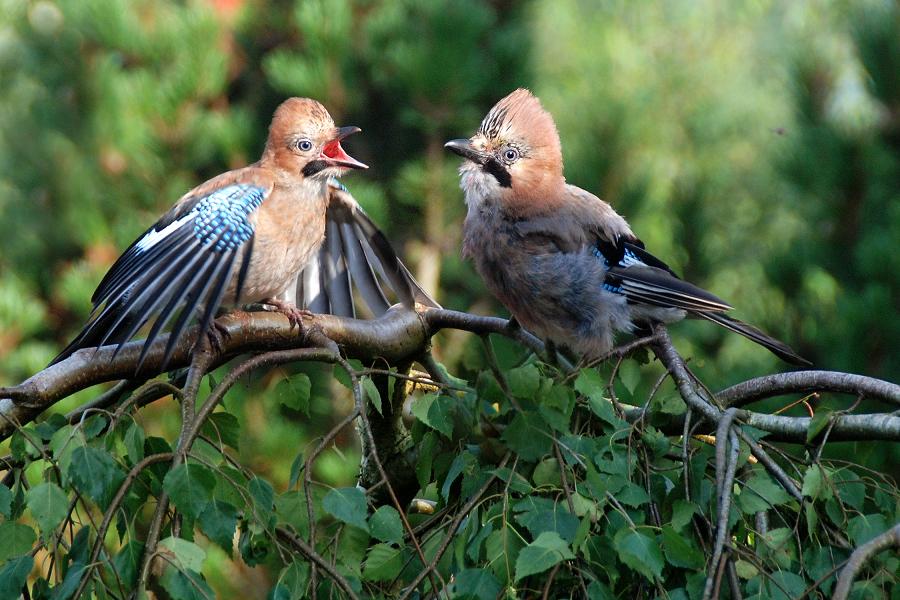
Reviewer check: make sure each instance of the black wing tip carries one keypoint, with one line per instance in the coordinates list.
(754, 334)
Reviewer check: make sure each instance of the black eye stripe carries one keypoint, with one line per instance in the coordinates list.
(499, 172)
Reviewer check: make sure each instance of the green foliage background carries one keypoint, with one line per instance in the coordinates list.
(754, 145)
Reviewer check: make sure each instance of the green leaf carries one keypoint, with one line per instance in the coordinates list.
(371, 392)
(15, 539)
(633, 495)
(263, 494)
(385, 525)
(668, 403)
(863, 528)
(682, 513)
(95, 473)
(502, 549)
(539, 515)
(383, 563)
(224, 427)
(819, 421)
(745, 570)
(93, 426)
(218, 521)
(761, 493)
(14, 575)
(70, 582)
(190, 556)
(292, 582)
(778, 545)
(555, 405)
(296, 470)
(185, 585)
(524, 381)
(590, 384)
(679, 550)
(127, 562)
(527, 435)
(427, 449)
(630, 375)
(5, 501)
(814, 483)
(49, 505)
(290, 508)
(434, 411)
(784, 585)
(348, 505)
(516, 482)
(474, 584)
(640, 552)
(600, 591)
(190, 486)
(541, 554)
(546, 474)
(134, 443)
(464, 464)
(294, 392)
(850, 488)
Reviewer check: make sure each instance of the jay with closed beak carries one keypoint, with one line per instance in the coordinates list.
(566, 265)
(241, 237)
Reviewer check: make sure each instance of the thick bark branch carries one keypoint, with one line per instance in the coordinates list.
(806, 382)
(398, 334)
(402, 335)
(888, 539)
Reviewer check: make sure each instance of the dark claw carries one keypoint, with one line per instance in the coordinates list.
(295, 315)
(217, 334)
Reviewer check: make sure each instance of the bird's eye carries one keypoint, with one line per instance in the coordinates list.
(511, 154)
(304, 145)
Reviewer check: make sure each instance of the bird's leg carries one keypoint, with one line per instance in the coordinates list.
(552, 357)
(289, 309)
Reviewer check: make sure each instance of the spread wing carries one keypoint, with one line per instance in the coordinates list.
(355, 254)
(182, 264)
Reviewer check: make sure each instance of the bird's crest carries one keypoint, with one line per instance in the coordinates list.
(520, 115)
(295, 113)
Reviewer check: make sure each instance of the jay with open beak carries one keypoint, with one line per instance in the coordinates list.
(241, 237)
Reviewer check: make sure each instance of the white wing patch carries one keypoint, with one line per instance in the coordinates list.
(154, 237)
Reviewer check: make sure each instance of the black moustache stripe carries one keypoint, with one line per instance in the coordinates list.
(314, 167)
(499, 172)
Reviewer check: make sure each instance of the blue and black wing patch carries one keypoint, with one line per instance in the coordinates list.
(181, 264)
(643, 278)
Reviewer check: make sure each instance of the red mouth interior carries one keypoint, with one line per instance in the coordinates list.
(334, 151)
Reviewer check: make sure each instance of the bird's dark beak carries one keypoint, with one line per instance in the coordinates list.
(464, 148)
(333, 155)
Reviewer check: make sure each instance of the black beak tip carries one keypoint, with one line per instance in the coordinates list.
(347, 131)
(460, 147)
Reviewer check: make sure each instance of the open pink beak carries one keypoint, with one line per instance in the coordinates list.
(335, 156)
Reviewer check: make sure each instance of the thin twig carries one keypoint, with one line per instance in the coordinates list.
(310, 553)
(454, 524)
(111, 511)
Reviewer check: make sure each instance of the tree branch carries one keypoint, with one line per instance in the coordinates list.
(806, 382)
(888, 539)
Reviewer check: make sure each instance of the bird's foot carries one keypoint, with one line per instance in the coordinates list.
(289, 309)
(217, 334)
